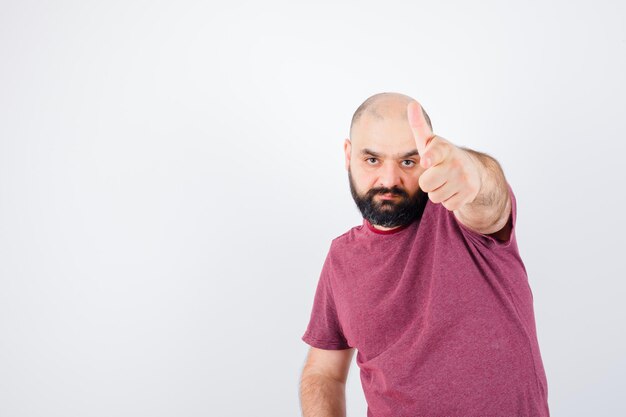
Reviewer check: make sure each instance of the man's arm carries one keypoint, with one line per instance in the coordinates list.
(452, 174)
(489, 212)
(323, 382)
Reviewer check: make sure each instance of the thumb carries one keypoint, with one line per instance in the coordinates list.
(421, 130)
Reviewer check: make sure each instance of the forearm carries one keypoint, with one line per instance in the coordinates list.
(491, 203)
(321, 396)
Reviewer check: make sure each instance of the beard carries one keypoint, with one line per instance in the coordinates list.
(389, 213)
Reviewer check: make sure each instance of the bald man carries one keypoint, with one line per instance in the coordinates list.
(430, 289)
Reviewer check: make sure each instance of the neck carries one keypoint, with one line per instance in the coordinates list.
(384, 228)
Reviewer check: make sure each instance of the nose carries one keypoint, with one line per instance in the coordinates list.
(390, 175)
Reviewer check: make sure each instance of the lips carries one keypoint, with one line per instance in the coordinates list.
(388, 196)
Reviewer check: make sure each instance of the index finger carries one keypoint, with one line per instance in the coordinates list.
(421, 130)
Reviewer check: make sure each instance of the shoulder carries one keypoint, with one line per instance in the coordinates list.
(347, 237)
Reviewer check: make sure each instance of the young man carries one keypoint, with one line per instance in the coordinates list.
(430, 289)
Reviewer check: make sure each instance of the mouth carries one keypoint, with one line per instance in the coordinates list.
(388, 196)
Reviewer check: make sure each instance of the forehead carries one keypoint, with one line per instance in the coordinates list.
(388, 135)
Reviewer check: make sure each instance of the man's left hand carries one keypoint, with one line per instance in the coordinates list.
(452, 176)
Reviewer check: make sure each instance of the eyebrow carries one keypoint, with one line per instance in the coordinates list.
(366, 151)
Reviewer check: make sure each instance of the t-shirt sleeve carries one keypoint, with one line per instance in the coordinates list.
(491, 241)
(324, 330)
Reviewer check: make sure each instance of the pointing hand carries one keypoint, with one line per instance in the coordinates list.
(452, 175)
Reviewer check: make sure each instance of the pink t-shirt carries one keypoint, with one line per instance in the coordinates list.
(441, 316)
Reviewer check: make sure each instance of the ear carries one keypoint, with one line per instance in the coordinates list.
(347, 147)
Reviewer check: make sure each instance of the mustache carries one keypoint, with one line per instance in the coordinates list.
(383, 190)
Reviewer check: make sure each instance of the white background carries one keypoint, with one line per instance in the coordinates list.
(171, 176)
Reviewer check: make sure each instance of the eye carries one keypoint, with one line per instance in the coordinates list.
(369, 159)
(411, 163)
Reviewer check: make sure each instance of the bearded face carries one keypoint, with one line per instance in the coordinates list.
(389, 207)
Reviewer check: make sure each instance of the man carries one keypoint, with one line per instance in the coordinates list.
(430, 290)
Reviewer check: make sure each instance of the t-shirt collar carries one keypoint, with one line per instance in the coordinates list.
(383, 232)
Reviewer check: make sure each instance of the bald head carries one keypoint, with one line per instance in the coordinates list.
(382, 106)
